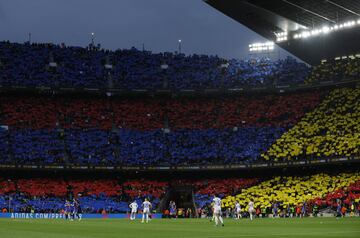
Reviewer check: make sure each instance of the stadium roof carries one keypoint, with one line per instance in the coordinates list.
(294, 17)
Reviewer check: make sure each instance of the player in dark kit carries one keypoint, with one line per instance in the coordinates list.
(72, 210)
(77, 210)
(67, 210)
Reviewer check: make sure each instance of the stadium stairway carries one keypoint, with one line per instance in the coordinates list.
(182, 195)
(163, 205)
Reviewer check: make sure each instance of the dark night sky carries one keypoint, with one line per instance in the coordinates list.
(126, 23)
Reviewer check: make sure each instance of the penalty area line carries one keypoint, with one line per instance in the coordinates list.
(279, 234)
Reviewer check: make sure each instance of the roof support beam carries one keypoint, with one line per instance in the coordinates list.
(307, 10)
(342, 7)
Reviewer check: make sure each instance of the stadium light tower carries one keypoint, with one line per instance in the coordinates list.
(92, 38)
(265, 48)
(262, 47)
(179, 41)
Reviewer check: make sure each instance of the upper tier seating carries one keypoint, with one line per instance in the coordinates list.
(336, 70)
(60, 66)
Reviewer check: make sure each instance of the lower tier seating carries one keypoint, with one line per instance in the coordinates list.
(293, 191)
(49, 194)
(114, 195)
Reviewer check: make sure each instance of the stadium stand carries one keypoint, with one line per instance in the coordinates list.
(49, 194)
(112, 127)
(90, 146)
(177, 131)
(335, 70)
(348, 195)
(132, 132)
(4, 146)
(332, 129)
(259, 111)
(205, 190)
(36, 146)
(293, 191)
(60, 66)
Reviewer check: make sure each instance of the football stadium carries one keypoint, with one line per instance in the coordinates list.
(129, 142)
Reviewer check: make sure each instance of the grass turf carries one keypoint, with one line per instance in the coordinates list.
(181, 228)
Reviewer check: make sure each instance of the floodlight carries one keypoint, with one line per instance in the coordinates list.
(325, 29)
(266, 46)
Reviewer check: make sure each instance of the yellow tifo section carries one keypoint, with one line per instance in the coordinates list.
(332, 129)
(290, 190)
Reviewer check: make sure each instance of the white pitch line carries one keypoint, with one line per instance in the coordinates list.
(281, 234)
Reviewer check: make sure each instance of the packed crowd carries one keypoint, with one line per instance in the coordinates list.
(336, 70)
(94, 195)
(276, 196)
(204, 190)
(332, 129)
(149, 114)
(36, 146)
(128, 147)
(61, 66)
(348, 195)
(241, 129)
(257, 110)
(54, 130)
(303, 125)
(4, 146)
(285, 192)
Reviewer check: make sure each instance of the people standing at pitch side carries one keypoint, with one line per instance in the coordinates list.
(217, 211)
(146, 205)
(172, 209)
(303, 210)
(134, 207)
(275, 210)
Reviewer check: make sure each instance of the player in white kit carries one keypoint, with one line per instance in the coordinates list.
(217, 211)
(238, 210)
(146, 210)
(251, 209)
(134, 208)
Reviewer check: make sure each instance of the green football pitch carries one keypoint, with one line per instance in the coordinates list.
(181, 228)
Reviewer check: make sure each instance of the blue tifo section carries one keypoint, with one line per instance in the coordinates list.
(89, 204)
(62, 216)
(141, 148)
(202, 200)
(34, 145)
(4, 146)
(28, 65)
